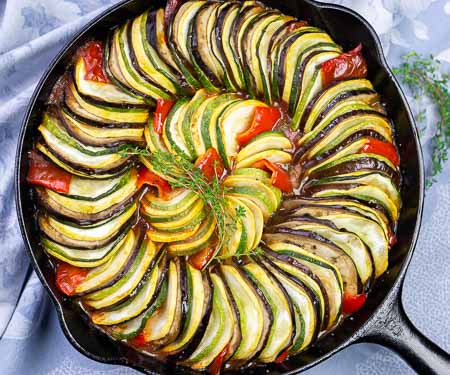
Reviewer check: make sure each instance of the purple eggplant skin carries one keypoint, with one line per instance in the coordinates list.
(341, 96)
(293, 262)
(218, 27)
(315, 301)
(306, 164)
(195, 341)
(294, 201)
(140, 233)
(193, 46)
(160, 260)
(78, 217)
(136, 65)
(95, 141)
(101, 125)
(62, 240)
(362, 163)
(301, 150)
(117, 168)
(237, 336)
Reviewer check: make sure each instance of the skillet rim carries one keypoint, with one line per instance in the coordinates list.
(386, 302)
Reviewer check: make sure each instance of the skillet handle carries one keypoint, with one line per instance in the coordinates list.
(393, 329)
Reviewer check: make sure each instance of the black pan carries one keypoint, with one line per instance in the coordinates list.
(382, 320)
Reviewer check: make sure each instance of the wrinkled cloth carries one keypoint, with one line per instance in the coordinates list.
(31, 34)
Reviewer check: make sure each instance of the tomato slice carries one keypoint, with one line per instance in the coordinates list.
(280, 178)
(146, 177)
(353, 302)
(386, 149)
(68, 277)
(216, 366)
(163, 108)
(44, 173)
(138, 340)
(210, 163)
(347, 65)
(92, 53)
(264, 119)
(295, 25)
(282, 356)
(201, 258)
(392, 238)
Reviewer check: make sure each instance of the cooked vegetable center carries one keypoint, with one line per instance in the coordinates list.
(218, 183)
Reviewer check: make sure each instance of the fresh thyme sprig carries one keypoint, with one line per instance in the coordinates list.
(424, 78)
(182, 173)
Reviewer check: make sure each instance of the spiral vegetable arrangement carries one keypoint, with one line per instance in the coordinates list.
(218, 183)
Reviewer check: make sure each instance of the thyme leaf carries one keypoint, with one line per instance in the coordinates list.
(424, 77)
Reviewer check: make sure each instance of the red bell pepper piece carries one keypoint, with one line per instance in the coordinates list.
(216, 366)
(163, 108)
(68, 277)
(44, 173)
(280, 178)
(392, 238)
(353, 302)
(138, 340)
(282, 356)
(386, 149)
(347, 65)
(146, 177)
(201, 258)
(264, 119)
(210, 163)
(295, 25)
(92, 54)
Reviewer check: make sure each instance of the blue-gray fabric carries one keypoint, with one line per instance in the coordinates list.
(32, 32)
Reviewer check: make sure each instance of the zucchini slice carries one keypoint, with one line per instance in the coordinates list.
(164, 325)
(198, 241)
(94, 135)
(328, 274)
(307, 319)
(82, 257)
(368, 230)
(102, 230)
(128, 318)
(107, 274)
(220, 329)
(147, 58)
(255, 318)
(100, 112)
(257, 191)
(282, 329)
(311, 81)
(270, 140)
(101, 91)
(198, 304)
(84, 208)
(236, 119)
(334, 94)
(224, 26)
(172, 132)
(129, 69)
(123, 287)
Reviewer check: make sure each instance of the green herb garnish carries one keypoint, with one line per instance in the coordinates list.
(182, 173)
(423, 76)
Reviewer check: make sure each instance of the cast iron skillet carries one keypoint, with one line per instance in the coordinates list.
(382, 320)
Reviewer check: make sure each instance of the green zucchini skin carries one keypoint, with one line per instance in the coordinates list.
(291, 259)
